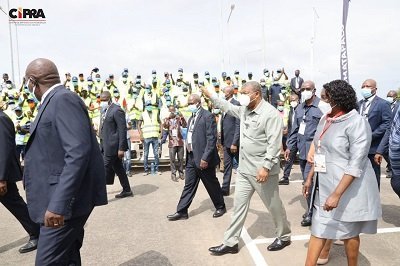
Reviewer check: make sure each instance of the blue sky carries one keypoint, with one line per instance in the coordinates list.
(195, 35)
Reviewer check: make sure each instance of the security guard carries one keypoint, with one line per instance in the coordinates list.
(75, 85)
(22, 126)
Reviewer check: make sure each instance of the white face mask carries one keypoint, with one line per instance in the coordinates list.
(294, 104)
(244, 99)
(103, 106)
(33, 90)
(280, 108)
(390, 99)
(306, 95)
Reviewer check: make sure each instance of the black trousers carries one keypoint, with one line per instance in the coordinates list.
(17, 206)
(177, 151)
(193, 175)
(377, 169)
(228, 165)
(113, 166)
(61, 246)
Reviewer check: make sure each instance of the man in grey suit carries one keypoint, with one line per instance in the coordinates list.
(113, 142)
(64, 173)
(230, 135)
(261, 138)
(201, 160)
(296, 82)
(10, 173)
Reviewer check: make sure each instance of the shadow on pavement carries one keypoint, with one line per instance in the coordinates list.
(139, 190)
(207, 205)
(14, 244)
(263, 226)
(150, 258)
(390, 214)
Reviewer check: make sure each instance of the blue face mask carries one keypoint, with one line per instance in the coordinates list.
(366, 92)
(168, 103)
(193, 108)
(149, 108)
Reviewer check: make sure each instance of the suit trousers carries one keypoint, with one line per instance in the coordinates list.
(17, 206)
(228, 165)
(289, 164)
(178, 152)
(113, 166)
(193, 175)
(377, 169)
(269, 194)
(305, 168)
(60, 246)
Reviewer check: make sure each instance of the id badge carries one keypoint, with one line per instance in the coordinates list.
(319, 163)
(302, 128)
(174, 133)
(189, 137)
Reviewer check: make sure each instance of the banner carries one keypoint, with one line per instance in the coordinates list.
(344, 67)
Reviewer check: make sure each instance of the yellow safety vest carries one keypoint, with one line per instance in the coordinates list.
(19, 137)
(150, 125)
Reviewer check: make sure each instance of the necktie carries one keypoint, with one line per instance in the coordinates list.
(364, 108)
(189, 139)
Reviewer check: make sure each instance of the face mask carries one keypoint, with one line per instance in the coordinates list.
(207, 77)
(148, 91)
(33, 91)
(390, 99)
(74, 83)
(103, 106)
(245, 100)
(216, 111)
(168, 103)
(168, 85)
(149, 108)
(266, 74)
(179, 84)
(135, 96)
(166, 93)
(11, 106)
(98, 79)
(262, 84)
(137, 86)
(366, 92)
(193, 108)
(124, 80)
(26, 90)
(306, 95)
(293, 104)
(116, 95)
(154, 76)
(280, 108)
(90, 83)
(9, 86)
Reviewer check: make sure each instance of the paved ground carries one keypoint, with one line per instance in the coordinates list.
(135, 231)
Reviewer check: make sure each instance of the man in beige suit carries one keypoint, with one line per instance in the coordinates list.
(260, 135)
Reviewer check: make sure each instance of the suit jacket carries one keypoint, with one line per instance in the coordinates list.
(64, 169)
(383, 147)
(290, 119)
(113, 131)
(379, 117)
(230, 127)
(293, 84)
(10, 169)
(204, 139)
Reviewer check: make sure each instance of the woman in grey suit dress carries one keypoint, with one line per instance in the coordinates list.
(345, 194)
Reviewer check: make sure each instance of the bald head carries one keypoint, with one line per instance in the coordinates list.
(194, 99)
(105, 96)
(392, 93)
(369, 84)
(228, 91)
(252, 86)
(43, 71)
(308, 84)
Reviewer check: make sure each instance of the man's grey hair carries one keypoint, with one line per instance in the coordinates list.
(253, 85)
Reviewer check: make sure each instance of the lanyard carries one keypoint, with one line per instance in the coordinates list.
(327, 124)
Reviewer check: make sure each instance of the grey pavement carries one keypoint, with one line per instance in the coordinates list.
(135, 231)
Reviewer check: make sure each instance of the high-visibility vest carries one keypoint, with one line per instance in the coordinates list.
(136, 112)
(20, 137)
(153, 98)
(150, 125)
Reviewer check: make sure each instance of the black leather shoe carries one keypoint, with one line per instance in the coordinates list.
(124, 194)
(222, 250)
(225, 193)
(278, 244)
(305, 215)
(283, 181)
(306, 221)
(178, 216)
(219, 212)
(30, 246)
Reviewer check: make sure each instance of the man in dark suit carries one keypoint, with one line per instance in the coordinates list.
(113, 142)
(296, 82)
(383, 149)
(379, 115)
(64, 173)
(230, 135)
(294, 102)
(10, 173)
(201, 160)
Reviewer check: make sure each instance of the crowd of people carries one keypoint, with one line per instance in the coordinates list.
(233, 123)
